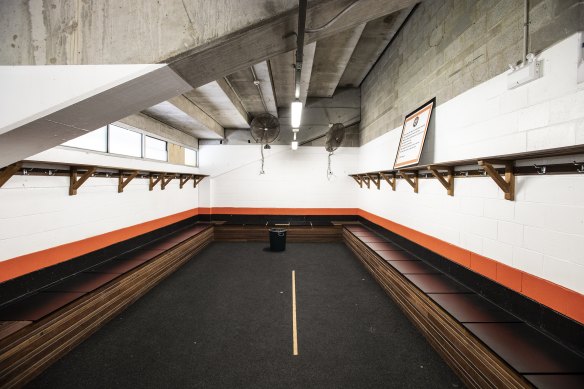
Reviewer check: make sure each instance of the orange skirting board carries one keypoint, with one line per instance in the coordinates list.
(16, 267)
(28, 263)
(565, 301)
(554, 296)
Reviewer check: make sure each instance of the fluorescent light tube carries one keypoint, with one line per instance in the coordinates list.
(296, 113)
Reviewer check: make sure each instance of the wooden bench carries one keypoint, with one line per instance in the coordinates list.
(485, 345)
(42, 327)
(306, 233)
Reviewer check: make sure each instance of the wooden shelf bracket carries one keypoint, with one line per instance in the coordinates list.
(8, 172)
(358, 179)
(184, 180)
(75, 181)
(166, 178)
(123, 182)
(390, 178)
(506, 184)
(413, 180)
(154, 182)
(197, 179)
(376, 178)
(448, 182)
(365, 178)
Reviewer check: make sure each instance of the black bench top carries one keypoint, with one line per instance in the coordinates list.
(34, 307)
(542, 360)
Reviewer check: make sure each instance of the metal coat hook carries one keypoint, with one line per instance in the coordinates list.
(579, 166)
(539, 169)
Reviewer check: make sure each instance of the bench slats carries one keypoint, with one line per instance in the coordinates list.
(485, 345)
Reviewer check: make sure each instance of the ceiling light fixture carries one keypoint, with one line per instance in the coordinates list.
(296, 107)
(295, 142)
(296, 113)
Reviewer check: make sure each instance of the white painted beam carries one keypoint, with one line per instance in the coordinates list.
(44, 106)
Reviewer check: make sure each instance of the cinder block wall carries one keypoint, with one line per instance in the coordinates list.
(448, 47)
(37, 213)
(292, 179)
(538, 236)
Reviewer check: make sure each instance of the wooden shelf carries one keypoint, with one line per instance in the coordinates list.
(501, 169)
(79, 174)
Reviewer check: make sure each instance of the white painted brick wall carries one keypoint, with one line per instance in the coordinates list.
(528, 261)
(37, 213)
(542, 231)
(292, 179)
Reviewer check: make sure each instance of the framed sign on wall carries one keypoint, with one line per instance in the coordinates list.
(413, 135)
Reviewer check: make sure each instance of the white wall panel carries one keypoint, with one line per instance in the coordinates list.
(292, 179)
(37, 213)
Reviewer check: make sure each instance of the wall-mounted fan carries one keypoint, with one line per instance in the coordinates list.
(334, 139)
(265, 128)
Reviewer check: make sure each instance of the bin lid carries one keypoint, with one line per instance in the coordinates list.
(277, 230)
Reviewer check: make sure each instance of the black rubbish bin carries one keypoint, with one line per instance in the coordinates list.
(277, 239)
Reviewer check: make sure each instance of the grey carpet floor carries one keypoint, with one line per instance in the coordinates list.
(224, 320)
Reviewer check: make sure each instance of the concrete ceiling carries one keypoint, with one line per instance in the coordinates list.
(219, 82)
(338, 57)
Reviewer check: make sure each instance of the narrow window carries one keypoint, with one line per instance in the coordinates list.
(190, 157)
(155, 149)
(95, 140)
(125, 142)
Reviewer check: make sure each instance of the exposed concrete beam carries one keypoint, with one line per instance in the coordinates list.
(255, 98)
(264, 76)
(201, 41)
(331, 59)
(231, 53)
(67, 32)
(180, 113)
(307, 65)
(283, 73)
(374, 39)
(242, 83)
(156, 127)
(220, 101)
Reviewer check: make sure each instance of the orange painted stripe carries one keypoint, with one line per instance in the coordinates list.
(509, 277)
(565, 301)
(483, 265)
(16, 267)
(554, 296)
(28, 263)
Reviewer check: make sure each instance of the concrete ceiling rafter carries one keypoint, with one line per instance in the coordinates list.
(271, 37)
(180, 113)
(331, 59)
(375, 38)
(283, 70)
(219, 100)
(263, 74)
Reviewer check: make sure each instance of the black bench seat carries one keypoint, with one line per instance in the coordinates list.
(535, 358)
(42, 326)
